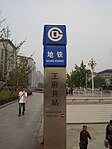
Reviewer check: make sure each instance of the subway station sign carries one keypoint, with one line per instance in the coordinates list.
(55, 35)
(54, 108)
(54, 61)
(54, 45)
(54, 56)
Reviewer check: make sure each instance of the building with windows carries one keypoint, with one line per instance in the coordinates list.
(7, 57)
(32, 75)
(9, 60)
(39, 77)
(107, 75)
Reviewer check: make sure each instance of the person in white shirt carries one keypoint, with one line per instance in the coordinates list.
(22, 100)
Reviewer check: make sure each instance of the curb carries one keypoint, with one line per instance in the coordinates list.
(4, 105)
(87, 123)
(9, 103)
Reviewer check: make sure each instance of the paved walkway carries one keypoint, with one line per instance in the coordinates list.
(90, 113)
(97, 132)
(21, 132)
(87, 114)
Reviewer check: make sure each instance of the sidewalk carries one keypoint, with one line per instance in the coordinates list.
(95, 116)
(97, 132)
(90, 113)
(21, 132)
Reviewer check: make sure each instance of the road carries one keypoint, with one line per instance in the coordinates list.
(21, 132)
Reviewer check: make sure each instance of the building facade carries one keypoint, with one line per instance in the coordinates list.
(39, 77)
(7, 57)
(107, 75)
(9, 60)
(32, 75)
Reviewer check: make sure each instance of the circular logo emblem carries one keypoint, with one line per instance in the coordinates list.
(55, 34)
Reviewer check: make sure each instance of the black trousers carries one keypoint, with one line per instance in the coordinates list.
(83, 146)
(21, 108)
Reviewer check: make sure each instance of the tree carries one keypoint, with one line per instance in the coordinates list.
(20, 75)
(99, 82)
(4, 34)
(40, 85)
(69, 80)
(78, 77)
(9, 62)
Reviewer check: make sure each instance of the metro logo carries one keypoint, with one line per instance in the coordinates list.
(55, 34)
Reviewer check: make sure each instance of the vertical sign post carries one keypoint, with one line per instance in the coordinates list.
(54, 86)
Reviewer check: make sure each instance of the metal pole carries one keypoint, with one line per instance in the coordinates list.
(92, 63)
(92, 82)
(86, 83)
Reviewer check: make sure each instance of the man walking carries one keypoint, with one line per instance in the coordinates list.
(108, 135)
(84, 135)
(22, 101)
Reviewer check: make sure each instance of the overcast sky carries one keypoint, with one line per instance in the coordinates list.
(88, 22)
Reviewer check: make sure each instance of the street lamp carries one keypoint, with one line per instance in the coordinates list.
(92, 63)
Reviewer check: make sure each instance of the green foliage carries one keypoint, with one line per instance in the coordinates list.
(78, 76)
(40, 85)
(69, 80)
(8, 94)
(23, 72)
(20, 75)
(81, 77)
(99, 82)
(11, 73)
(0, 75)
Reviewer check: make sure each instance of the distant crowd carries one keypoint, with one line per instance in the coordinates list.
(69, 91)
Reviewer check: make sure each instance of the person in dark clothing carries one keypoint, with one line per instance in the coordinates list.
(84, 135)
(108, 134)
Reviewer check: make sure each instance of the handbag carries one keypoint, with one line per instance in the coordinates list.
(106, 143)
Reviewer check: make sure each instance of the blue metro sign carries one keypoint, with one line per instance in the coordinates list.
(55, 35)
(55, 56)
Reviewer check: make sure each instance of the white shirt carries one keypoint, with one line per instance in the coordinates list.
(22, 96)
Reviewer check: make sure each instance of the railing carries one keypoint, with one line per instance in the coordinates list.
(89, 94)
(92, 100)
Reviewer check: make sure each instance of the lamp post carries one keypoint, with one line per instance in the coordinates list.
(92, 63)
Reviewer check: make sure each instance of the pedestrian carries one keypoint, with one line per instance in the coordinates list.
(84, 135)
(22, 100)
(108, 134)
